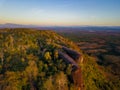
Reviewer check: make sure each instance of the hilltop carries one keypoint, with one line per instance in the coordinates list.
(43, 60)
(34, 59)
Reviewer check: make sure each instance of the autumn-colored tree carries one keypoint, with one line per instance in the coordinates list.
(31, 72)
(55, 54)
(47, 56)
(11, 81)
(61, 81)
(48, 84)
(2, 56)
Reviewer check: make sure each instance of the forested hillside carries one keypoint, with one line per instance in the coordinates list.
(29, 60)
(43, 60)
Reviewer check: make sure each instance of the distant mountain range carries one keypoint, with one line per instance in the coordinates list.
(12, 25)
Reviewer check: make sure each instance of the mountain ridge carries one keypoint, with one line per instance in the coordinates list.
(83, 27)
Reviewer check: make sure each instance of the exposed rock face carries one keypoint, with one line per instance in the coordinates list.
(74, 54)
(77, 78)
(68, 59)
(73, 57)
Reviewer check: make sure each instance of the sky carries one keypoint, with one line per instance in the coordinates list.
(61, 12)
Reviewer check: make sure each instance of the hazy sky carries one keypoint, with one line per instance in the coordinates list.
(60, 12)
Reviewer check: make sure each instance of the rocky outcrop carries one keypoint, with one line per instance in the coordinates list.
(74, 54)
(77, 79)
(73, 57)
(68, 60)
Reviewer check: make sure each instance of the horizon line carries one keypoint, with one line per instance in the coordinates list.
(61, 25)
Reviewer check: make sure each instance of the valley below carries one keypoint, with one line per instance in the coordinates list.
(104, 47)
